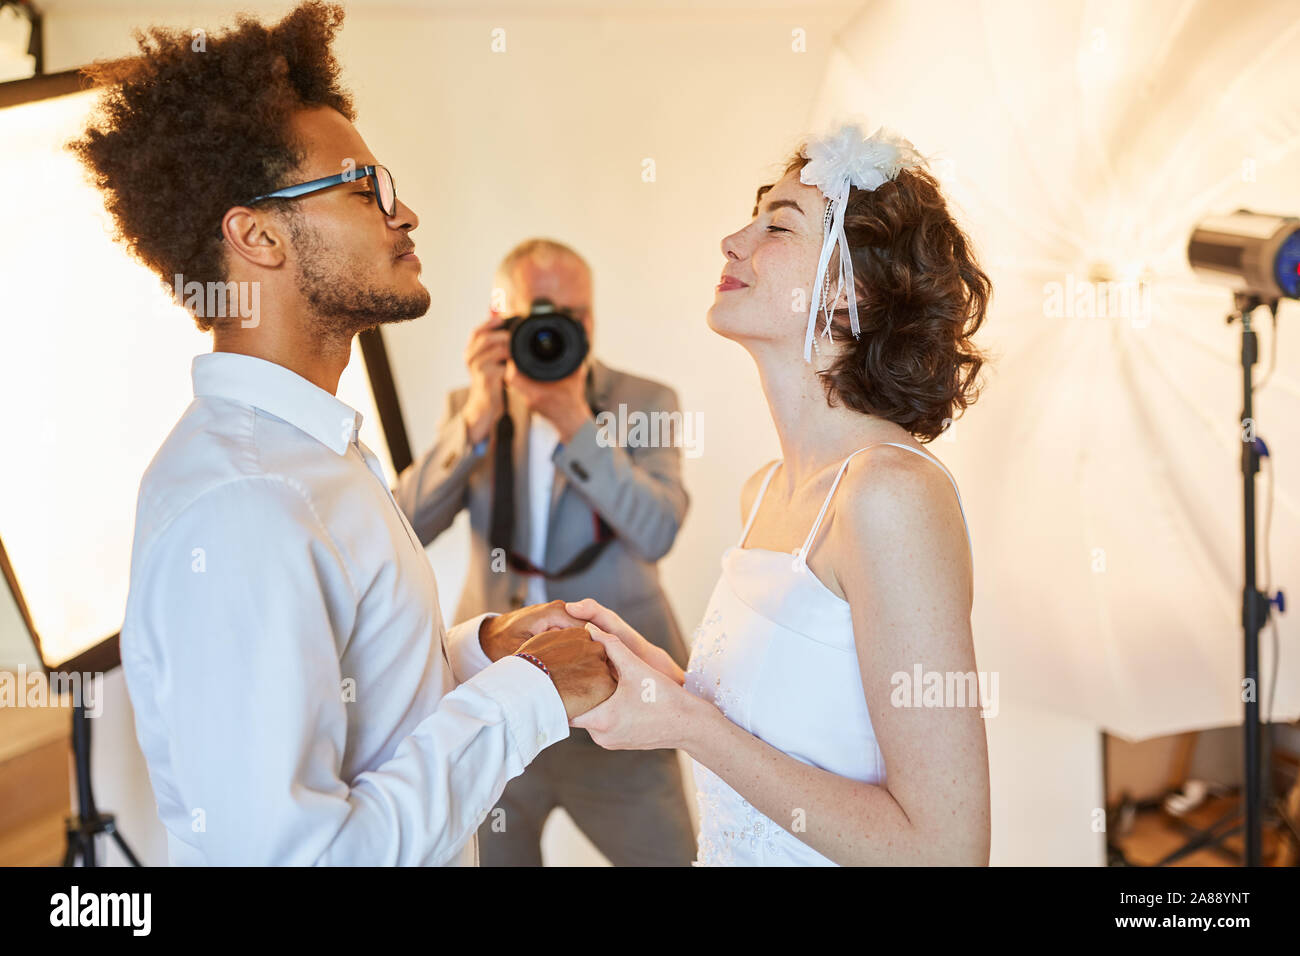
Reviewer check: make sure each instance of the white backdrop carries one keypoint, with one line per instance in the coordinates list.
(1101, 469)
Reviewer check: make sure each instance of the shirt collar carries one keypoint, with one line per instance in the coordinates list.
(279, 392)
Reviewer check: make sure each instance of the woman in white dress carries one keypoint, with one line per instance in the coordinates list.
(812, 742)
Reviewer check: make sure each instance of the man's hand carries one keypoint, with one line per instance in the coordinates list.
(501, 636)
(485, 357)
(590, 610)
(578, 666)
(563, 403)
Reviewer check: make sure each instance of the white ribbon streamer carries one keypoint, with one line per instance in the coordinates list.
(835, 164)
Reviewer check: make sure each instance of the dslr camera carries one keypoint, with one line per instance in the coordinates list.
(548, 343)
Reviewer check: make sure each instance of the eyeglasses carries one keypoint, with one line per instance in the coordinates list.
(381, 182)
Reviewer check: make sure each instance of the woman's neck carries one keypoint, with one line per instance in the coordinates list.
(813, 434)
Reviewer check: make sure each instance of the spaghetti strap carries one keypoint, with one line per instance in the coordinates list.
(801, 556)
(753, 511)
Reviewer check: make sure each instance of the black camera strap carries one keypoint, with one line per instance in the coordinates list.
(502, 523)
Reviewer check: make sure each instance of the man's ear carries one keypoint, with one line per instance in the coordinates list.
(254, 236)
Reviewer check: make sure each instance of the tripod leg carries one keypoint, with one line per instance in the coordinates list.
(78, 853)
(1206, 837)
(117, 838)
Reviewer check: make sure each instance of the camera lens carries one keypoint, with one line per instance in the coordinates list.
(548, 344)
(545, 345)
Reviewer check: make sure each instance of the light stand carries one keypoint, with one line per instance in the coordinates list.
(1255, 609)
(1255, 605)
(89, 822)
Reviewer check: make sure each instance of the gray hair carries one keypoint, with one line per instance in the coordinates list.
(542, 251)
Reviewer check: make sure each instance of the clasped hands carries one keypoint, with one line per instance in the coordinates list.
(623, 690)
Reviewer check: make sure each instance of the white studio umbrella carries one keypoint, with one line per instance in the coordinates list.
(1080, 142)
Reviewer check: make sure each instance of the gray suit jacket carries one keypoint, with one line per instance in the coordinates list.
(637, 490)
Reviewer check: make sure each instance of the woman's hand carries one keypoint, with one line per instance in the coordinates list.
(646, 712)
(590, 610)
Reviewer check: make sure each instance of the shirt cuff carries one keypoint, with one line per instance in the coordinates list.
(534, 710)
(464, 651)
(587, 444)
(586, 439)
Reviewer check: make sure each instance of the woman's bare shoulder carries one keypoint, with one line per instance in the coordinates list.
(896, 486)
(902, 504)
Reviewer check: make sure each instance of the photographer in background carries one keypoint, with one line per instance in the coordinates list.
(556, 513)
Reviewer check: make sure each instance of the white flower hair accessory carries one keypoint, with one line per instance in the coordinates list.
(836, 162)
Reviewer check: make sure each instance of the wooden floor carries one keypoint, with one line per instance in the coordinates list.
(1156, 833)
(35, 784)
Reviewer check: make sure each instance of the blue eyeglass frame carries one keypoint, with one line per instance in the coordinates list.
(349, 176)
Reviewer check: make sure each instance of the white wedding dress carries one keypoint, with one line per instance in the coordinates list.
(775, 653)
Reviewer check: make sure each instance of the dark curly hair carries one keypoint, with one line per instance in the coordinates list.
(921, 298)
(194, 125)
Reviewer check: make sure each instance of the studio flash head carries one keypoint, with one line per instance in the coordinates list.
(1252, 253)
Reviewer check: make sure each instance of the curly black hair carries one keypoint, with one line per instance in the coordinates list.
(196, 124)
(921, 297)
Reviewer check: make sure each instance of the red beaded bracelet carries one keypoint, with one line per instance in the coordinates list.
(534, 660)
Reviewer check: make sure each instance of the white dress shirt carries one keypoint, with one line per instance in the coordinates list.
(543, 438)
(295, 693)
